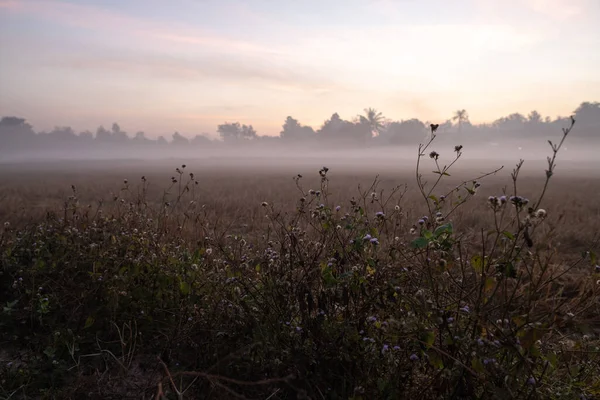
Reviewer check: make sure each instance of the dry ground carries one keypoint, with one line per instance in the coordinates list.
(233, 190)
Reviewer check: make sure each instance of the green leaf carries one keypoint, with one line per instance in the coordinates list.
(446, 228)
(509, 235)
(593, 257)
(184, 287)
(419, 243)
(257, 268)
(327, 276)
(477, 365)
(477, 263)
(436, 361)
(432, 197)
(507, 269)
(428, 337)
(89, 322)
(427, 234)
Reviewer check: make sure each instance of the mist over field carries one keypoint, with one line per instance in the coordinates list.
(368, 140)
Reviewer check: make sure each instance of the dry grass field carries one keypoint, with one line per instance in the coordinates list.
(232, 194)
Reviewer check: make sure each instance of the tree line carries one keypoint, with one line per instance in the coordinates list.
(369, 129)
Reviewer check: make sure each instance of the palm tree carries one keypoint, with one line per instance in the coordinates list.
(375, 120)
(460, 116)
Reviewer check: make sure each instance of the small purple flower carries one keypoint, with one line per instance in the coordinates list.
(375, 241)
(385, 348)
(379, 214)
(413, 357)
(367, 237)
(480, 342)
(396, 348)
(497, 343)
(421, 221)
(465, 309)
(298, 329)
(338, 208)
(365, 339)
(438, 214)
(531, 381)
(372, 319)
(597, 268)
(450, 320)
(442, 198)
(502, 199)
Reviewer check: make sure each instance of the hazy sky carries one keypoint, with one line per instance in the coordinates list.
(188, 65)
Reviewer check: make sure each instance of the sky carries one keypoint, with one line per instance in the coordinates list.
(188, 65)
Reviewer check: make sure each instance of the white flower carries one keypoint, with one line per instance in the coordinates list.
(541, 213)
(208, 251)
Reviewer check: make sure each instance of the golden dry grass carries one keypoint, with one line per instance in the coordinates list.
(232, 194)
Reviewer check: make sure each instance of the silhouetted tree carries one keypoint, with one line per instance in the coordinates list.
(232, 132)
(460, 116)
(179, 140)
(294, 132)
(410, 131)
(587, 116)
(15, 133)
(374, 119)
(534, 117)
(200, 140)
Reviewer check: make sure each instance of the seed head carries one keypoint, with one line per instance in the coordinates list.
(541, 213)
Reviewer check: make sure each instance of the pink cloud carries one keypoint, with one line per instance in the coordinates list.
(96, 18)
